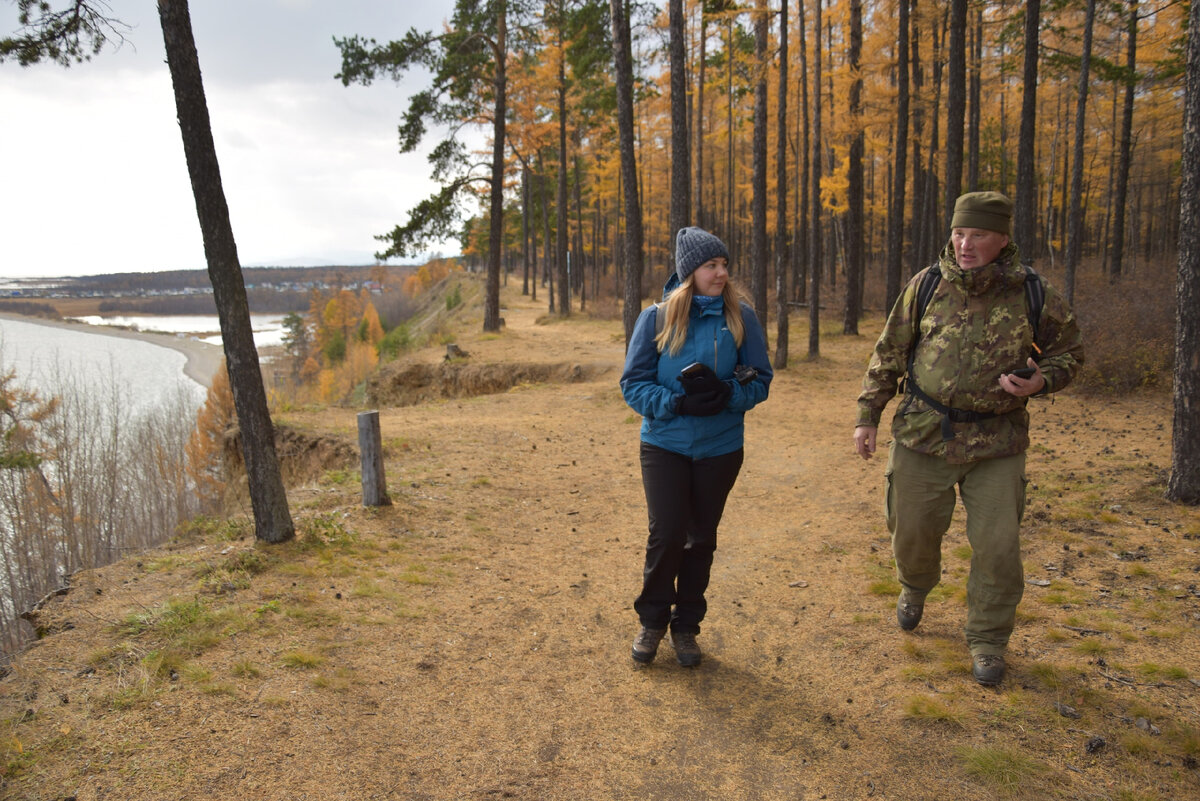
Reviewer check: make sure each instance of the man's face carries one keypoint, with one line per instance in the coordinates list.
(976, 247)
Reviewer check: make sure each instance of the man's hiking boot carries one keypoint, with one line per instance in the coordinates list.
(908, 614)
(645, 644)
(988, 669)
(686, 650)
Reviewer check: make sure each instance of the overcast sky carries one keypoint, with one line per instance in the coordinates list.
(92, 172)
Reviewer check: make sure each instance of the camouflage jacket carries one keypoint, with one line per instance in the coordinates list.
(975, 328)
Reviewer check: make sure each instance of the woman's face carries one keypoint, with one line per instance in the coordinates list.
(710, 278)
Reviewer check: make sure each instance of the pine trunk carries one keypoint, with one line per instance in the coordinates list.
(272, 520)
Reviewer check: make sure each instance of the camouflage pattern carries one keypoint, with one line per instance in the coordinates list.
(975, 328)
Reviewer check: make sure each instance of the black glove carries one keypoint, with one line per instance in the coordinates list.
(704, 381)
(705, 403)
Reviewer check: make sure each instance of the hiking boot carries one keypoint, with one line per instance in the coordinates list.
(645, 645)
(686, 649)
(908, 614)
(988, 669)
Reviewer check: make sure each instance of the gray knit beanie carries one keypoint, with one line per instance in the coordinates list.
(693, 247)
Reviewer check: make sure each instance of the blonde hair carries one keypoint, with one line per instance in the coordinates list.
(677, 307)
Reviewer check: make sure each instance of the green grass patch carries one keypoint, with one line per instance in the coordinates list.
(1000, 769)
(925, 708)
(302, 659)
(245, 669)
(1091, 646)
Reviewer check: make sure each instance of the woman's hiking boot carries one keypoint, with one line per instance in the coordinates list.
(686, 650)
(645, 644)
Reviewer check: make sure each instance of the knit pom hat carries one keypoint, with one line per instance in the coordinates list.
(990, 211)
(693, 247)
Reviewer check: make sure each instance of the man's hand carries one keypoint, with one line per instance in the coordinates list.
(1024, 387)
(864, 441)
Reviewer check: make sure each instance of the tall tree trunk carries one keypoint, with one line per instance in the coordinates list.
(268, 499)
(976, 91)
(805, 167)
(681, 162)
(758, 237)
(782, 265)
(701, 217)
(491, 304)
(916, 224)
(1025, 202)
(854, 190)
(1183, 486)
(1121, 191)
(895, 232)
(579, 271)
(814, 267)
(622, 56)
(956, 107)
(563, 211)
(729, 59)
(525, 199)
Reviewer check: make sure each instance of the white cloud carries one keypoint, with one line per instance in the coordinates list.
(93, 163)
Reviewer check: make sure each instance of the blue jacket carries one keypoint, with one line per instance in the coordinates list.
(650, 381)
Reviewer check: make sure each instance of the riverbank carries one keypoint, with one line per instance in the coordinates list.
(203, 358)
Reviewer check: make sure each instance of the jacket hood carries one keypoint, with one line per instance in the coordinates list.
(670, 285)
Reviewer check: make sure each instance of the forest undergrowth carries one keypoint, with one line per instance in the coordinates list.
(472, 639)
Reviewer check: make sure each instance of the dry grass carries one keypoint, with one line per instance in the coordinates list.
(471, 641)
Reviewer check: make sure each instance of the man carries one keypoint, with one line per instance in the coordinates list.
(962, 421)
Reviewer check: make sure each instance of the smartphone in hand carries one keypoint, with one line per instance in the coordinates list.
(1023, 372)
(693, 370)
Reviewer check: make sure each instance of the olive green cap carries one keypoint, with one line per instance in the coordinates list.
(991, 211)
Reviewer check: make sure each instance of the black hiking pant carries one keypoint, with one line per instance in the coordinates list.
(685, 499)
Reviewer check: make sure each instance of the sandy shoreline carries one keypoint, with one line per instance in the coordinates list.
(203, 358)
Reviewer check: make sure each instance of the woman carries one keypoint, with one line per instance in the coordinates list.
(695, 364)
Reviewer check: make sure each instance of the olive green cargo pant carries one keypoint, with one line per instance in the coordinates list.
(919, 505)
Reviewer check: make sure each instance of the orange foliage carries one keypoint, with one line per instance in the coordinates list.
(205, 449)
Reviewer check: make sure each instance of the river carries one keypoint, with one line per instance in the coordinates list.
(148, 358)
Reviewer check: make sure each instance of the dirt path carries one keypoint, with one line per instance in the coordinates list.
(472, 640)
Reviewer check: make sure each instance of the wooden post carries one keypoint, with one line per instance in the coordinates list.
(370, 445)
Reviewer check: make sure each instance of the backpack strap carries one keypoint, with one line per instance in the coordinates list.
(659, 319)
(1035, 299)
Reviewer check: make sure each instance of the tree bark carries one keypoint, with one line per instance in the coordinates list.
(563, 212)
(1183, 486)
(272, 520)
(855, 230)
(976, 92)
(1025, 203)
(814, 267)
(1075, 216)
(1121, 191)
(895, 232)
(633, 208)
(956, 106)
(681, 162)
(491, 304)
(758, 238)
(782, 265)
